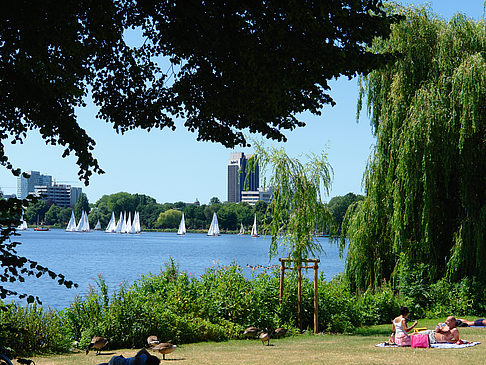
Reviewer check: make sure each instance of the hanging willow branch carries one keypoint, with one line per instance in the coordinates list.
(296, 206)
(426, 179)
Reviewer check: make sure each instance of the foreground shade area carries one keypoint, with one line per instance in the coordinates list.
(304, 349)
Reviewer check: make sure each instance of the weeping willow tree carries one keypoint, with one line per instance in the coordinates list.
(426, 178)
(296, 207)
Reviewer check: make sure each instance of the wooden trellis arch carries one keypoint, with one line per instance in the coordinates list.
(314, 266)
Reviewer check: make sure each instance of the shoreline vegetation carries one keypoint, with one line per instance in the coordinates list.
(217, 306)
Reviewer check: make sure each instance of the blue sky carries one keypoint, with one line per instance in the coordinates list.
(173, 166)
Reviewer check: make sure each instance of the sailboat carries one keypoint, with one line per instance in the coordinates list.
(138, 229)
(120, 224)
(98, 226)
(214, 228)
(124, 224)
(242, 230)
(182, 226)
(128, 226)
(254, 229)
(110, 228)
(71, 227)
(135, 224)
(23, 224)
(83, 225)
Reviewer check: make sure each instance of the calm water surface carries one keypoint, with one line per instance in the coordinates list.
(82, 256)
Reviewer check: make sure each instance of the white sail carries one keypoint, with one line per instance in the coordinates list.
(128, 226)
(98, 226)
(254, 229)
(182, 226)
(119, 226)
(124, 224)
(71, 227)
(242, 230)
(80, 223)
(83, 225)
(138, 229)
(111, 224)
(23, 224)
(214, 228)
(135, 224)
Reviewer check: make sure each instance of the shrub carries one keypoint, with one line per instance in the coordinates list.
(31, 329)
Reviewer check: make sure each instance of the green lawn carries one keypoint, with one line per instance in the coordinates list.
(305, 349)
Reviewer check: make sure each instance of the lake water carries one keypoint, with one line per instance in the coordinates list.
(82, 256)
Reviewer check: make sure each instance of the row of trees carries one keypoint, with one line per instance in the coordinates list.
(168, 215)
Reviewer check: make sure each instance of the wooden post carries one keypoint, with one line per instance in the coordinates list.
(315, 266)
(282, 275)
(299, 296)
(316, 298)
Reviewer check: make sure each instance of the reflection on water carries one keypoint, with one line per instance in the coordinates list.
(82, 256)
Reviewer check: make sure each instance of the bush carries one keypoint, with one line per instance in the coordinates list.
(219, 305)
(28, 330)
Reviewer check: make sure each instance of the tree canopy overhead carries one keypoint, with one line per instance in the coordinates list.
(426, 201)
(236, 65)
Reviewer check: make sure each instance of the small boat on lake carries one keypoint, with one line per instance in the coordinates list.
(111, 227)
(135, 224)
(71, 227)
(23, 224)
(254, 229)
(83, 224)
(214, 228)
(182, 227)
(242, 230)
(41, 229)
(98, 226)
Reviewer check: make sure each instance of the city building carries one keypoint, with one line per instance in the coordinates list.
(252, 196)
(26, 185)
(42, 185)
(241, 177)
(59, 195)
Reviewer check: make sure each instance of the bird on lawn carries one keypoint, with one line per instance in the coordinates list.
(251, 332)
(279, 332)
(152, 340)
(97, 343)
(265, 337)
(164, 348)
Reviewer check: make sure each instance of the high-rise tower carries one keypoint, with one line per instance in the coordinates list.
(25, 186)
(241, 177)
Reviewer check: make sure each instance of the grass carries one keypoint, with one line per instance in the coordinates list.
(304, 349)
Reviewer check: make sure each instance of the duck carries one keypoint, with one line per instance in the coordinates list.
(152, 340)
(279, 332)
(251, 332)
(164, 348)
(265, 337)
(97, 343)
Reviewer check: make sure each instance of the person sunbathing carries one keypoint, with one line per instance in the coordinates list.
(465, 323)
(447, 332)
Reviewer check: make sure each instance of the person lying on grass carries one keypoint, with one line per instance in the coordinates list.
(402, 338)
(141, 358)
(447, 332)
(465, 323)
